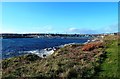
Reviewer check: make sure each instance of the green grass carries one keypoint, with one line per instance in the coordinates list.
(110, 66)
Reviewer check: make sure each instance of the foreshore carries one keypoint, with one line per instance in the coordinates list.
(50, 51)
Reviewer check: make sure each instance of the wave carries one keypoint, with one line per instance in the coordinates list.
(47, 51)
(40, 52)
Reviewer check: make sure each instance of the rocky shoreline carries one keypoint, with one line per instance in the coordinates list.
(50, 51)
(78, 59)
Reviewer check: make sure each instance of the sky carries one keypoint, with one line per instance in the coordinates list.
(59, 17)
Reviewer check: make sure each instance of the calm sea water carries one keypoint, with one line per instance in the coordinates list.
(17, 46)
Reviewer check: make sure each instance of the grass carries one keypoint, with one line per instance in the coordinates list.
(109, 68)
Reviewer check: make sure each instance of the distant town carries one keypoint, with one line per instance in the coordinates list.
(40, 35)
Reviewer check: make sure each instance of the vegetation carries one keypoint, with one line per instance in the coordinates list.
(96, 59)
(109, 68)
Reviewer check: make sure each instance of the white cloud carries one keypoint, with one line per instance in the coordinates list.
(37, 29)
(81, 31)
(72, 29)
(49, 29)
(43, 29)
(108, 29)
(6, 30)
(111, 28)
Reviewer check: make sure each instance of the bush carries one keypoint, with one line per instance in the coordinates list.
(31, 57)
(72, 73)
(91, 46)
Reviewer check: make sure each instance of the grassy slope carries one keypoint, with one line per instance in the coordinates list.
(110, 66)
(67, 62)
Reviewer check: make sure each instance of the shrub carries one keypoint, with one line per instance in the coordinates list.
(31, 57)
(91, 46)
(72, 73)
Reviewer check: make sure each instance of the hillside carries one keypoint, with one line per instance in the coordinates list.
(110, 67)
(78, 61)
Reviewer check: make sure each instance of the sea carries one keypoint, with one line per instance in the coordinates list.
(11, 47)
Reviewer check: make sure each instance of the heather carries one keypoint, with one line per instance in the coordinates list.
(78, 61)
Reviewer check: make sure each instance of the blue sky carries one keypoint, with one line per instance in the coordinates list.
(59, 17)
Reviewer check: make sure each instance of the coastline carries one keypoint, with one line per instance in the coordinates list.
(20, 48)
(52, 50)
(64, 60)
(43, 53)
